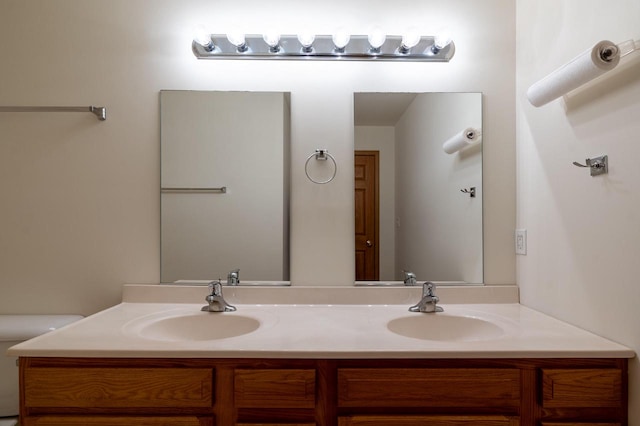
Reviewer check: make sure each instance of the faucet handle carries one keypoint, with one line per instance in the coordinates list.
(215, 287)
(429, 300)
(409, 278)
(216, 302)
(233, 277)
(428, 289)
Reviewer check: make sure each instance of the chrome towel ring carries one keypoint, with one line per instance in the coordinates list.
(321, 155)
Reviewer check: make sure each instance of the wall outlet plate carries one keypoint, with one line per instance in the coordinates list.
(521, 241)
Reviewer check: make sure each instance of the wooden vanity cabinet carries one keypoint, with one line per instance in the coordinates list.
(323, 392)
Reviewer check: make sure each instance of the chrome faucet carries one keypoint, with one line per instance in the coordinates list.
(234, 277)
(429, 300)
(216, 302)
(409, 278)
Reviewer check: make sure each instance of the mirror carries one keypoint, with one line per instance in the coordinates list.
(224, 185)
(412, 213)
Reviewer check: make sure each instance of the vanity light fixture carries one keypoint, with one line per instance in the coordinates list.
(341, 45)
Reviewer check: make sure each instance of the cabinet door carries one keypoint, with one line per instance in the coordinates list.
(428, 420)
(275, 388)
(599, 388)
(118, 387)
(115, 421)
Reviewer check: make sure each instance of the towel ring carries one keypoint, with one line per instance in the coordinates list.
(321, 154)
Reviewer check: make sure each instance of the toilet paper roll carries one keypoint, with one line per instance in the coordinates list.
(579, 71)
(460, 140)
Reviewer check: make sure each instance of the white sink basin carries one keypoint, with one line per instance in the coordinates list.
(189, 327)
(443, 327)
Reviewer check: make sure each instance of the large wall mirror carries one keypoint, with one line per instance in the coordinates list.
(418, 208)
(224, 185)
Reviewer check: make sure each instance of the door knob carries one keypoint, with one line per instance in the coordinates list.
(368, 243)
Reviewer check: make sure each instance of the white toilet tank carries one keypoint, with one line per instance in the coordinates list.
(13, 330)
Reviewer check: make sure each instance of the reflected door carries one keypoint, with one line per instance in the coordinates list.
(366, 215)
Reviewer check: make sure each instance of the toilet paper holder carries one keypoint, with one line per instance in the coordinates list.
(597, 165)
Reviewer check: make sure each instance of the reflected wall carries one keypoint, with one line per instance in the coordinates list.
(235, 140)
(427, 225)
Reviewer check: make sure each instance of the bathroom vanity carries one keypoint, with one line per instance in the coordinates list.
(325, 365)
(345, 392)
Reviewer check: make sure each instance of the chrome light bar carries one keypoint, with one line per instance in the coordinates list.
(323, 48)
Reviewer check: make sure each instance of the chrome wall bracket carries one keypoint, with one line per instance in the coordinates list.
(597, 165)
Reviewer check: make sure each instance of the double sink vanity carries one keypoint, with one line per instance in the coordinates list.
(326, 357)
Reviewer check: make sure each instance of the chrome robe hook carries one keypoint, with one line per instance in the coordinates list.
(471, 191)
(598, 165)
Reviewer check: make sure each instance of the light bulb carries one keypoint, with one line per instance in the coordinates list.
(442, 39)
(203, 38)
(306, 40)
(376, 38)
(272, 38)
(341, 39)
(409, 39)
(238, 40)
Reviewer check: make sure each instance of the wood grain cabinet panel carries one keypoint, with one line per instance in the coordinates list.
(428, 420)
(115, 421)
(275, 388)
(118, 387)
(581, 388)
(429, 387)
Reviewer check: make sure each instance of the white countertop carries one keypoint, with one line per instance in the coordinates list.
(321, 331)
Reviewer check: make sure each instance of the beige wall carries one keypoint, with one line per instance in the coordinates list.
(80, 200)
(583, 232)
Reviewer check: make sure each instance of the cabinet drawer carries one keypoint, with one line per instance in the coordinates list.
(428, 420)
(580, 424)
(581, 388)
(275, 424)
(287, 388)
(426, 387)
(115, 421)
(118, 387)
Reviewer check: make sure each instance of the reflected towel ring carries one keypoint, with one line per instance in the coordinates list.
(321, 154)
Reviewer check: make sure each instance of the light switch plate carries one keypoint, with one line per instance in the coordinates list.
(521, 241)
